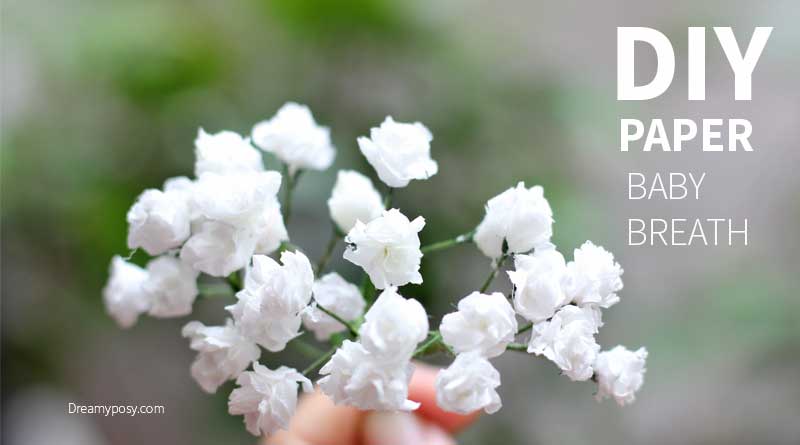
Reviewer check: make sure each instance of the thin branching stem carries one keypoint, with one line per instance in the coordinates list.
(341, 320)
(319, 361)
(525, 328)
(387, 200)
(326, 255)
(291, 182)
(494, 272)
(446, 244)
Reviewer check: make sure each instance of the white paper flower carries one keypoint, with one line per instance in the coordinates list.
(484, 323)
(171, 286)
(354, 377)
(267, 398)
(158, 221)
(270, 229)
(238, 200)
(387, 248)
(268, 309)
(620, 374)
(468, 385)
(124, 294)
(225, 153)
(272, 330)
(538, 284)
(595, 278)
(223, 353)
(520, 216)
(217, 248)
(399, 152)
(353, 198)
(338, 296)
(568, 341)
(284, 288)
(394, 325)
(295, 138)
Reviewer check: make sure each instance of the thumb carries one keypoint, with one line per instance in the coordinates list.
(402, 428)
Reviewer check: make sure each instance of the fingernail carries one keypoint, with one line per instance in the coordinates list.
(398, 428)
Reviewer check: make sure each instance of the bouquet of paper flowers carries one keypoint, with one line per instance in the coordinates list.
(227, 225)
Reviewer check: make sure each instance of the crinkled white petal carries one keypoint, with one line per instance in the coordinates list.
(236, 199)
(295, 138)
(159, 221)
(270, 229)
(225, 153)
(270, 329)
(387, 248)
(124, 294)
(399, 152)
(468, 385)
(620, 374)
(594, 277)
(355, 377)
(338, 296)
(223, 353)
(217, 248)
(520, 216)
(538, 284)
(484, 323)
(171, 286)
(284, 288)
(568, 341)
(353, 198)
(268, 308)
(267, 398)
(394, 325)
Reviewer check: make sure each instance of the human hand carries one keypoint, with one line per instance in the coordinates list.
(319, 422)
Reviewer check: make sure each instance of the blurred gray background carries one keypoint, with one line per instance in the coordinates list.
(101, 99)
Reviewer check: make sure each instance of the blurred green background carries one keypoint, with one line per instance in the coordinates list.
(102, 99)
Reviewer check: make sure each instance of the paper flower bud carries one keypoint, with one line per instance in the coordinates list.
(296, 139)
(399, 152)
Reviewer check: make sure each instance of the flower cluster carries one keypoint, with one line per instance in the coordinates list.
(226, 227)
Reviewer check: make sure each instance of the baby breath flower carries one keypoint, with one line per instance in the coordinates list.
(468, 385)
(171, 286)
(354, 198)
(217, 248)
(394, 325)
(568, 341)
(595, 278)
(238, 200)
(270, 229)
(620, 373)
(296, 139)
(225, 153)
(538, 284)
(520, 216)
(270, 330)
(399, 152)
(124, 294)
(268, 308)
(285, 287)
(158, 221)
(267, 398)
(387, 248)
(484, 323)
(355, 377)
(338, 296)
(223, 353)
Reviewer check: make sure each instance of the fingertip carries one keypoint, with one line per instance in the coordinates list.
(318, 421)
